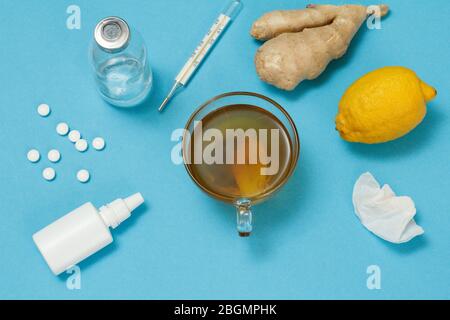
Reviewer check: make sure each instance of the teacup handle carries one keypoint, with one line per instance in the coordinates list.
(244, 217)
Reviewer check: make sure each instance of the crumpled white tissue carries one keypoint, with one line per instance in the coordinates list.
(382, 212)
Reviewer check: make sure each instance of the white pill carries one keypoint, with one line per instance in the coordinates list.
(83, 175)
(43, 110)
(54, 155)
(62, 128)
(81, 145)
(49, 174)
(74, 135)
(33, 155)
(98, 143)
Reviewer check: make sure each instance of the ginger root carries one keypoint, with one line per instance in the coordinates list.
(301, 43)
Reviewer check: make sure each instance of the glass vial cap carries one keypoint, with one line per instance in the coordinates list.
(112, 34)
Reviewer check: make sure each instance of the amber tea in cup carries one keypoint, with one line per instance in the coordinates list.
(240, 148)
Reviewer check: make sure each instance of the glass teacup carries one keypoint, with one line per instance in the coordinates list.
(240, 148)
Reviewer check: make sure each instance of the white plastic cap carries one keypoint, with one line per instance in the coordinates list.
(82, 232)
(119, 210)
(134, 201)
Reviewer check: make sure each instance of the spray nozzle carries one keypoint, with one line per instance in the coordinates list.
(119, 210)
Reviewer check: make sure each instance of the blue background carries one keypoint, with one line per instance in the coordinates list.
(307, 241)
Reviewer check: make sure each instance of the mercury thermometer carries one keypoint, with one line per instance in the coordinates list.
(203, 48)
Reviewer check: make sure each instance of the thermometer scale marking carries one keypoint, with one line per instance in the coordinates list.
(200, 52)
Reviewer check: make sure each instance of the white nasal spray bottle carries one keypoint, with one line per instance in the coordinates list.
(82, 232)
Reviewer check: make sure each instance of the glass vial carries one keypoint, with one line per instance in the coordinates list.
(119, 58)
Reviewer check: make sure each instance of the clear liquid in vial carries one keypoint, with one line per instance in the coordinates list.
(124, 81)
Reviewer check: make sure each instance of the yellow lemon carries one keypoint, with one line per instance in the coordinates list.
(383, 105)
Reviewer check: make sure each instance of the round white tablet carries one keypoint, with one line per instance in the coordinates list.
(83, 175)
(62, 128)
(49, 174)
(54, 155)
(81, 145)
(43, 110)
(74, 135)
(98, 143)
(33, 155)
